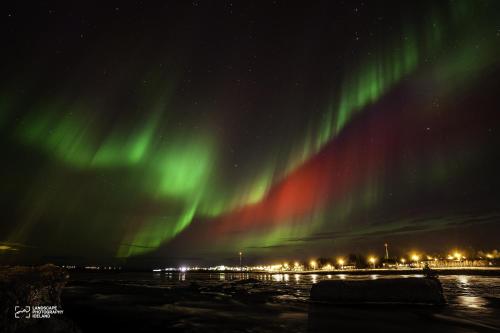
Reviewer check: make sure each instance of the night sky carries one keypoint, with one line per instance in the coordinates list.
(184, 132)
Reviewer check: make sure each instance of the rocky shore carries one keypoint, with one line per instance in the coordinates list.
(26, 286)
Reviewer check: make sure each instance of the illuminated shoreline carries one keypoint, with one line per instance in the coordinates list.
(357, 264)
(493, 271)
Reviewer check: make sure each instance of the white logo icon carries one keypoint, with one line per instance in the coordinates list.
(22, 311)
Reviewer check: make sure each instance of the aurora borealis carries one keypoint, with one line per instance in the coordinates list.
(191, 131)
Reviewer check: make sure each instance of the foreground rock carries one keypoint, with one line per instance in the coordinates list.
(398, 290)
(32, 286)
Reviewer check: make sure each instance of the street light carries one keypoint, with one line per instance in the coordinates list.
(241, 268)
(372, 260)
(313, 264)
(340, 261)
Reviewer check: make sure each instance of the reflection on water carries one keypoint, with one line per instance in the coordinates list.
(472, 301)
(278, 277)
(463, 281)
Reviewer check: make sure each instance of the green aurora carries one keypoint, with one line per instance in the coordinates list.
(169, 168)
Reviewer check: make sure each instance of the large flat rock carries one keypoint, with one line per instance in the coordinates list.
(391, 290)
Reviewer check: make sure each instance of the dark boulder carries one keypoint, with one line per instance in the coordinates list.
(390, 290)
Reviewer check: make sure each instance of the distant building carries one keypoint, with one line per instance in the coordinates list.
(443, 263)
(389, 263)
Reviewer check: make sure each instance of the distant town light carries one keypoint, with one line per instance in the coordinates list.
(372, 260)
(452, 259)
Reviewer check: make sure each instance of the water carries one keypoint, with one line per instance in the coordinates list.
(207, 302)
